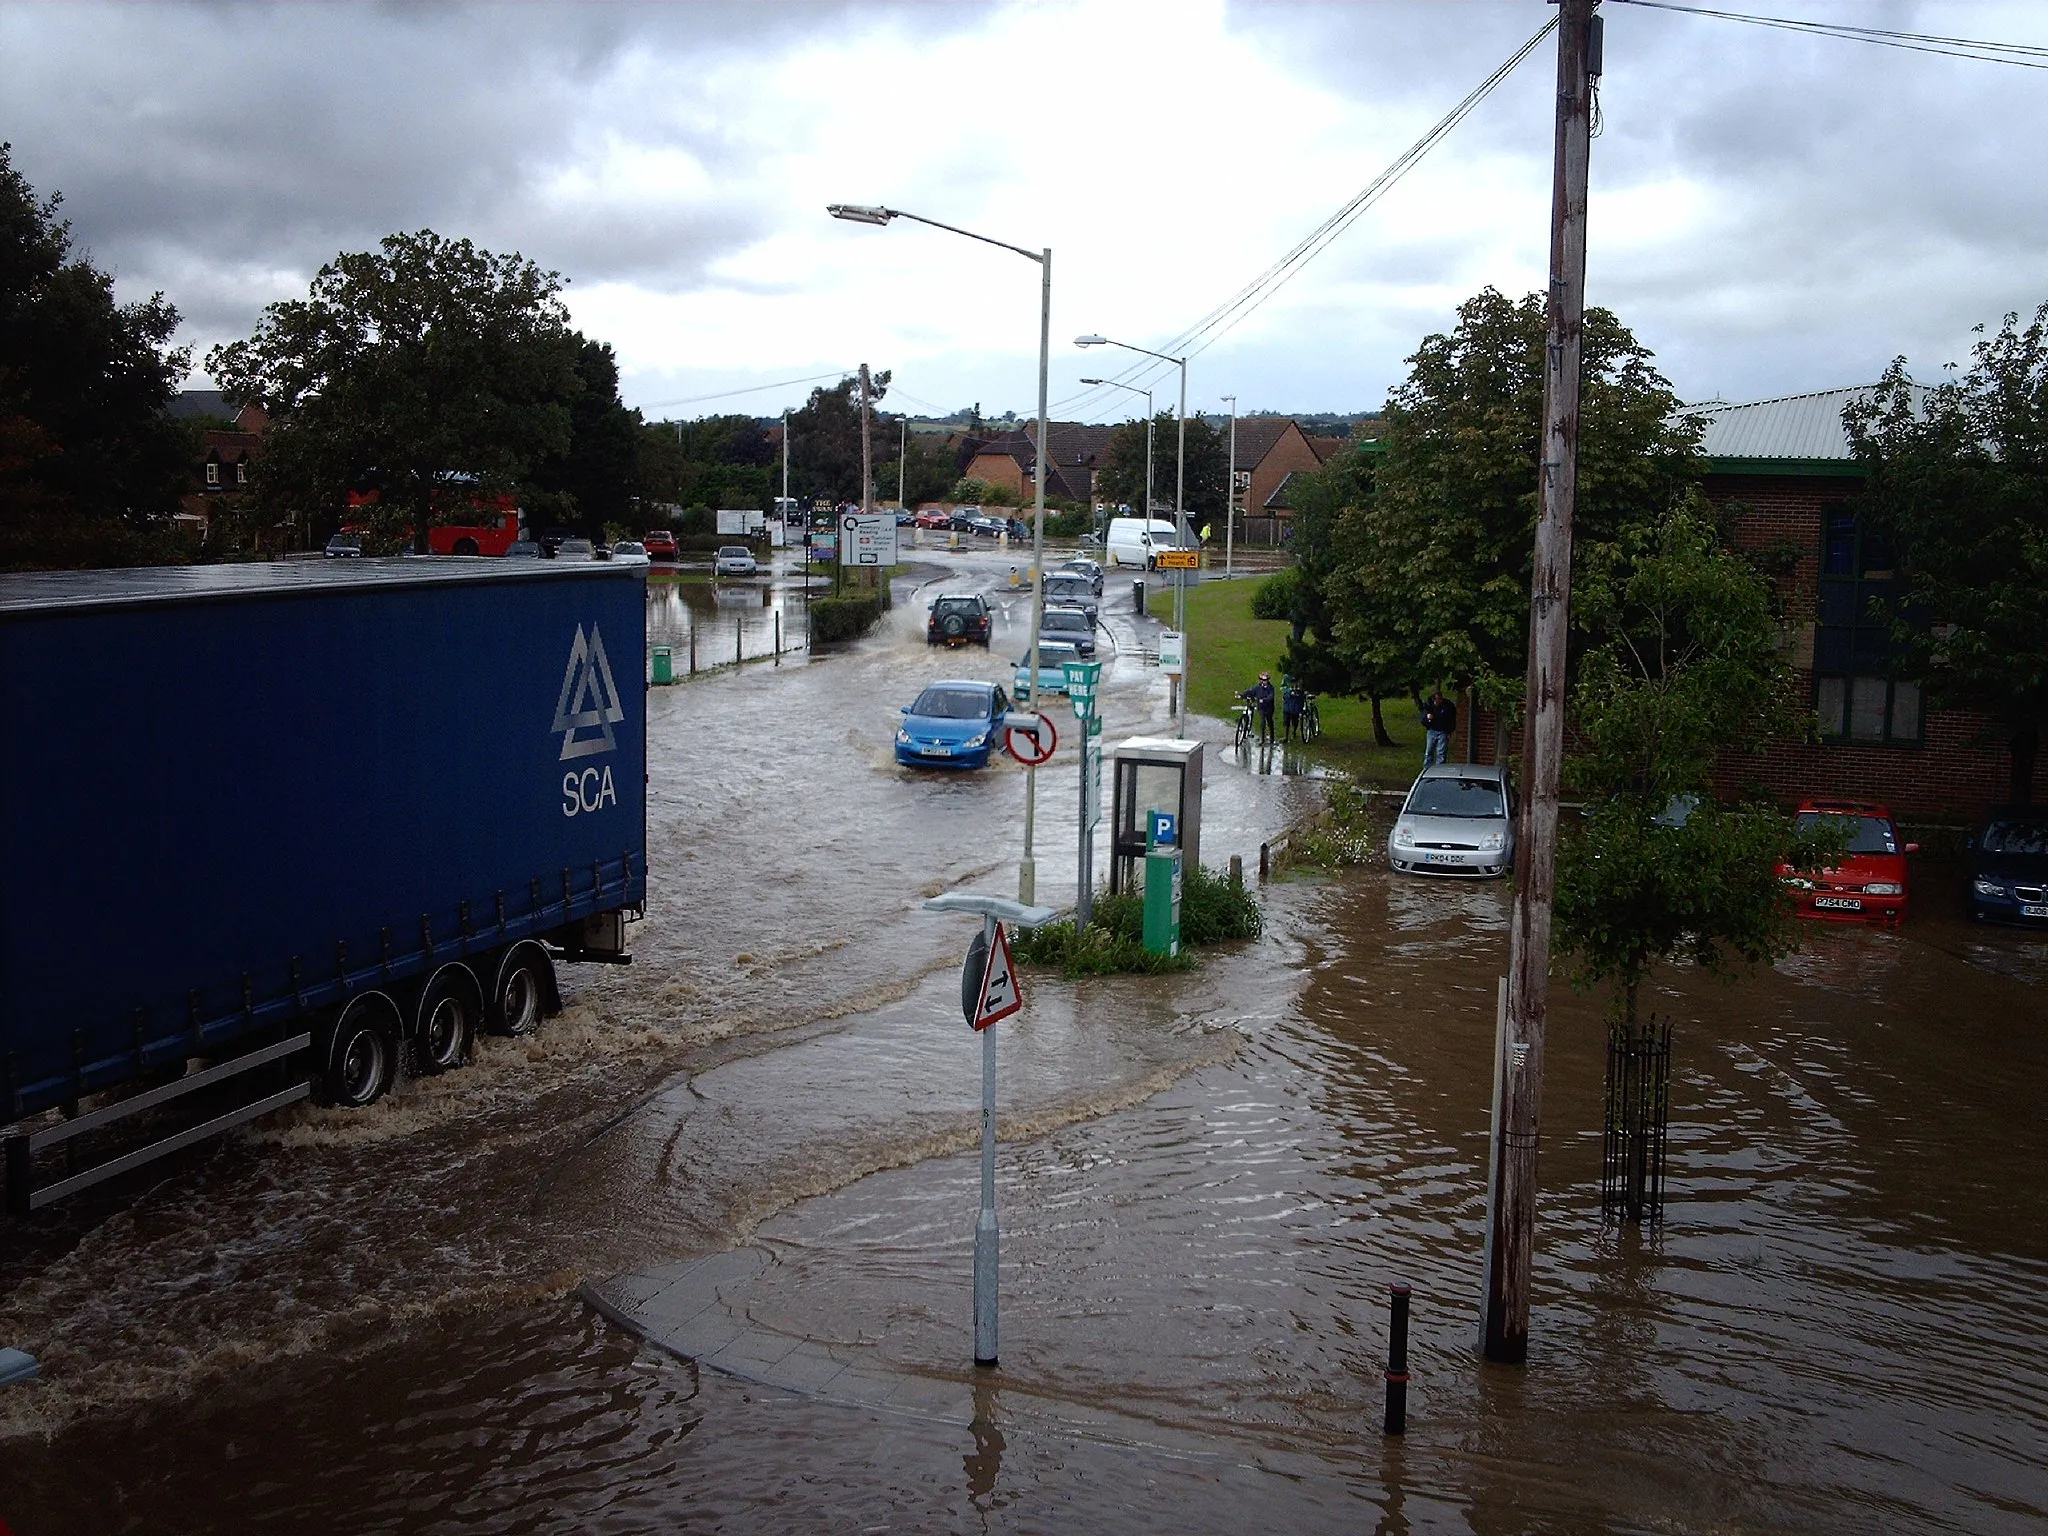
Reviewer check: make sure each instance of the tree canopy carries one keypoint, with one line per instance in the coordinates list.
(429, 369)
(90, 464)
(1433, 569)
(824, 439)
(1120, 476)
(1959, 488)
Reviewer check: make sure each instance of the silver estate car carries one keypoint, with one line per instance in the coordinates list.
(1458, 819)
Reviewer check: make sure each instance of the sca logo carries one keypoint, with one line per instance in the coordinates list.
(584, 715)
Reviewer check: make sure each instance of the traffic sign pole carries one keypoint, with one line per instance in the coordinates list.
(988, 1236)
(1082, 677)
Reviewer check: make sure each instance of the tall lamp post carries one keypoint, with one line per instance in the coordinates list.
(1230, 493)
(1027, 869)
(1112, 383)
(1180, 514)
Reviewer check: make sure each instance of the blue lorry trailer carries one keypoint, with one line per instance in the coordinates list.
(292, 824)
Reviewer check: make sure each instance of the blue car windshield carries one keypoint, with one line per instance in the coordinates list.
(1867, 834)
(2018, 837)
(1457, 797)
(951, 704)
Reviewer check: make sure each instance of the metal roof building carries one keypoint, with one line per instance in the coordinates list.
(1794, 434)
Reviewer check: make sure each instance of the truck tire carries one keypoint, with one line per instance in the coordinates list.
(524, 993)
(465, 547)
(444, 1024)
(361, 1060)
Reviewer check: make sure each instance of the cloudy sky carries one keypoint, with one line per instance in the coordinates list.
(1771, 212)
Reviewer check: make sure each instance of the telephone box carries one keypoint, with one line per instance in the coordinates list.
(1153, 774)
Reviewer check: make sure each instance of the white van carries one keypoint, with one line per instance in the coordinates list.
(1132, 540)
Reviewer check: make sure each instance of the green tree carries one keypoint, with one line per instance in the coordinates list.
(593, 480)
(926, 472)
(1682, 664)
(1120, 476)
(1442, 547)
(90, 464)
(428, 368)
(824, 440)
(1959, 488)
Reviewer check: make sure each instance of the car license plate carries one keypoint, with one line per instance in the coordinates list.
(2033, 909)
(936, 751)
(1838, 903)
(1440, 858)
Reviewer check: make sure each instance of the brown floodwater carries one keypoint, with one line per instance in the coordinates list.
(1207, 1182)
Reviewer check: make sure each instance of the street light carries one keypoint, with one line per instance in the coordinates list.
(1230, 492)
(854, 213)
(1112, 384)
(1180, 517)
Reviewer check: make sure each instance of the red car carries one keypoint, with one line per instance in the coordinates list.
(1870, 884)
(934, 517)
(661, 544)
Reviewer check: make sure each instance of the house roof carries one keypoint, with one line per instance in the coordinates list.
(1257, 435)
(1074, 443)
(1804, 429)
(1326, 448)
(188, 403)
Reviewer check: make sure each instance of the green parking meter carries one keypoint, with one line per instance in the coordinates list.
(1162, 884)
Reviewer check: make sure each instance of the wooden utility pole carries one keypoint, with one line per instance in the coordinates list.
(867, 464)
(1518, 1112)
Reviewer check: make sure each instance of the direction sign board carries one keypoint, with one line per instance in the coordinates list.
(867, 538)
(1179, 559)
(998, 996)
(1172, 654)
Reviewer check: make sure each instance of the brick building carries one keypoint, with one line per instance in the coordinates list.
(1011, 461)
(1781, 475)
(1269, 449)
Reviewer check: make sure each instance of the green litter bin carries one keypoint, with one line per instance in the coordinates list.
(664, 665)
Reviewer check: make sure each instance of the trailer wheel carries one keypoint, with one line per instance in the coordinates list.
(524, 992)
(444, 1027)
(362, 1053)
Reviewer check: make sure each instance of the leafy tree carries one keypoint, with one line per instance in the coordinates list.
(1960, 490)
(593, 480)
(972, 491)
(715, 461)
(926, 472)
(1120, 476)
(428, 368)
(1682, 664)
(90, 464)
(1435, 565)
(824, 440)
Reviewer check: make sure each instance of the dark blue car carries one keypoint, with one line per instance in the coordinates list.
(2008, 866)
(953, 724)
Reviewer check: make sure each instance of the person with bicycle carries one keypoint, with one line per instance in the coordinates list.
(1260, 697)
(1293, 700)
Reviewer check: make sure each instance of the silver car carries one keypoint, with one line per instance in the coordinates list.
(733, 560)
(1458, 819)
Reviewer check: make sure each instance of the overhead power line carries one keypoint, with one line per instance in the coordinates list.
(754, 389)
(2022, 55)
(1220, 321)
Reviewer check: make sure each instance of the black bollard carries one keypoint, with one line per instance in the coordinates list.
(1397, 1361)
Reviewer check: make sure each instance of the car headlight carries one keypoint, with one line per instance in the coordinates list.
(1884, 888)
(1403, 838)
(1988, 888)
(976, 741)
(903, 738)
(1493, 842)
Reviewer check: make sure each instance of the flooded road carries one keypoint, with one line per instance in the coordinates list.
(1207, 1181)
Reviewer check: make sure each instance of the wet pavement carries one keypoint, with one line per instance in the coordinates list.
(755, 1147)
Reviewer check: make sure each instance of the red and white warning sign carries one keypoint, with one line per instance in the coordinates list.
(1000, 995)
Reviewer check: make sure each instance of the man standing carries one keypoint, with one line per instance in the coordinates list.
(1260, 696)
(1439, 719)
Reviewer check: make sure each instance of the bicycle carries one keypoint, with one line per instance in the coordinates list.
(1247, 725)
(1311, 720)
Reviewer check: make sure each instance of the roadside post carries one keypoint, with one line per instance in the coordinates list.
(989, 992)
(1082, 677)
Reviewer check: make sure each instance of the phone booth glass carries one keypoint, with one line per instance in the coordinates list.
(1153, 774)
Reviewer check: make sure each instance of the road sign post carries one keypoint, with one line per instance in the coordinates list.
(988, 992)
(1082, 678)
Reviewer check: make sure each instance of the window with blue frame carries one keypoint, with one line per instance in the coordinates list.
(1857, 693)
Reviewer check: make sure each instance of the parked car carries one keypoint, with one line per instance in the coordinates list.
(523, 549)
(1070, 625)
(733, 560)
(957, 618)
(989, 527)
(1053, 656)
(934, 517)
(1083, 566)
(575, 549)
(1458, 819)
(1869, 885)
(956, 723)
(661, 544)
(1072, 589)
(963, 518)
(345, 546)
(630, 552)
(905, 519)
(2007, 876)
(551, 540)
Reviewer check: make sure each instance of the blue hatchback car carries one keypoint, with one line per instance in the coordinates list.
(956, 723)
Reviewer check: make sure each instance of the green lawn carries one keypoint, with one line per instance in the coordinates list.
(1229, 648)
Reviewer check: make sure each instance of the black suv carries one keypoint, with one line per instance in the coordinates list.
(956, 620)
